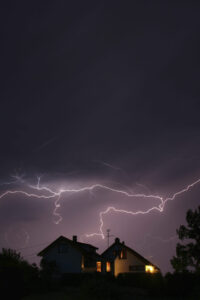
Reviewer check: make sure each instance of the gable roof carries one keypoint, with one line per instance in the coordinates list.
(88, 245)
(77, 245)
(123, 246)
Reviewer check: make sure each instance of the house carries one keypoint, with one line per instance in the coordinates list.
(119, 258)
(72, 256)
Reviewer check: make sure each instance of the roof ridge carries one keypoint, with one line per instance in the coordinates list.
(76, 245)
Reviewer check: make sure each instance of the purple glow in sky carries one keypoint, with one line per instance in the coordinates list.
(147, 203)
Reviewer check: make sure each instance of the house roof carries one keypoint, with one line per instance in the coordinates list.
(78, 245)
(89, 245)
(123, 246)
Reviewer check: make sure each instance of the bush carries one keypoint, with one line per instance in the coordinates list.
(101, 287)
(17, 276)
(182, 284)
(78, 279)
(153, 283)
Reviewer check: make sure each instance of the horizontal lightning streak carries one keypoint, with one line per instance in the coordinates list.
(57, 195)
(182, 191)
(26, 194)
(160, 208)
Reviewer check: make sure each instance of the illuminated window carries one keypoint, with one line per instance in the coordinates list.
(122, 254)
(82, 262)
(149, 269)
(108, 266)
(98, 266)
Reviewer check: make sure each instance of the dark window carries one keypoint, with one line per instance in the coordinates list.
(63, 248)
(89, 262)
(136, 268)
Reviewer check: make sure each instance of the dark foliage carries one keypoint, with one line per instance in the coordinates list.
(75, 279)
(48, 270)
(188, 255)
(152, 283)
(17, 276)
(184, 285)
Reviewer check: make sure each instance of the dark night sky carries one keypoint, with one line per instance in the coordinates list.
(99, 91)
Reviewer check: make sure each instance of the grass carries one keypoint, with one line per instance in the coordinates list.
(125, 288)
(82, 294)
(47, 296)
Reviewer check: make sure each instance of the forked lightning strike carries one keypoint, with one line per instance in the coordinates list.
(47, 193)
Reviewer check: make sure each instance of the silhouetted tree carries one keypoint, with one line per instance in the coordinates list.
(17, 276)
(188, 255)
(48, 270)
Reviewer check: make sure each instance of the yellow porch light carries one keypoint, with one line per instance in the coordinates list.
(149, 269)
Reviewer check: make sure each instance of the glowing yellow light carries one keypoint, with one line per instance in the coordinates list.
(98, 266)
(122, 254)
(149, 269)
(108, 266)
(82, 262)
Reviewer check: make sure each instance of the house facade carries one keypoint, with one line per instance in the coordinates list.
(119, 258)
(71, 256)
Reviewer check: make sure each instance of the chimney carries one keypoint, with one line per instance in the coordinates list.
(117, 240)
(74, 238)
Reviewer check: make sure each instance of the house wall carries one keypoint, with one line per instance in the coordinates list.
(68, 262)
(89, 270)
(88, 266)
(122, 265)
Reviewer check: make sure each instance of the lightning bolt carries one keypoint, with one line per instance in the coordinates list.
(44, 192)
(158, 208)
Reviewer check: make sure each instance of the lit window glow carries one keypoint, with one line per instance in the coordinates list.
(122, 254)
(98, 266)
(108, 266)
(82, 262)
(149, 269)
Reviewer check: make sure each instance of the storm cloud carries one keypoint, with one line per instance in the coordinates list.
(107, 92)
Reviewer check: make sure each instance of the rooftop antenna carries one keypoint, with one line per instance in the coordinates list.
(108, 236)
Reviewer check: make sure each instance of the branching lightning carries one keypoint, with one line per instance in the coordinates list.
(44, 192)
